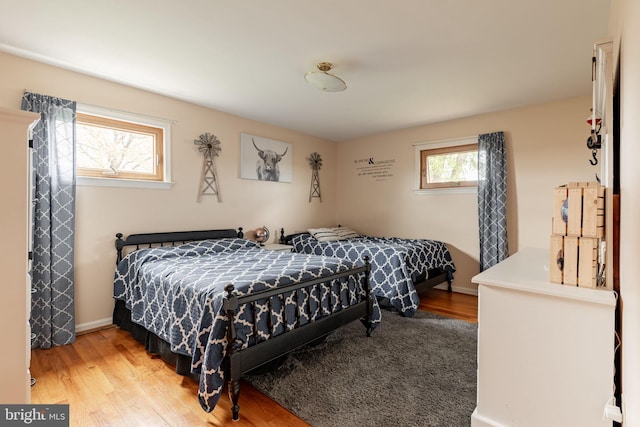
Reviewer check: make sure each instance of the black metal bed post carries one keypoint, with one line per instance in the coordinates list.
(367, 288)
(119, 246)
(229, 305)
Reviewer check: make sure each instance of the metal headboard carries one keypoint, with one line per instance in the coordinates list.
(149, 240)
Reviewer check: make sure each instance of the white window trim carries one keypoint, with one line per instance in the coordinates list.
(134, 118)
(89, 181)
(420, 146)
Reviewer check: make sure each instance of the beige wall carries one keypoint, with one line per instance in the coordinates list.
(546, 147)
(103, 211)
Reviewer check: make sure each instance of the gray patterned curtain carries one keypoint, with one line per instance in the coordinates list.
(52, 301)
(492, 199)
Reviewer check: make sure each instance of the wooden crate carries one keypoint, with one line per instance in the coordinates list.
(593, 211)
(574, 217)
(574, 261)
(556, 259)
(578, 226)
(570, 270)
(578, 210)
(588, 262)
(559, 218)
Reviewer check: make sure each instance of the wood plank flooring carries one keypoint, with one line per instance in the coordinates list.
(454, 305)
(108, 379)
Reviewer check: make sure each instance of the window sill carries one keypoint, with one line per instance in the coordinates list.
(122, 183)
(456, 190)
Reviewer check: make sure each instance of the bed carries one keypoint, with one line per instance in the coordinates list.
(217, 305)
(401, 269)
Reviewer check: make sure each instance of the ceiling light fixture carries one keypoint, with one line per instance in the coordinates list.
(323, 80)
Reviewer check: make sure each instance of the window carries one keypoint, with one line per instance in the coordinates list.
(120, 149)
(447, 165)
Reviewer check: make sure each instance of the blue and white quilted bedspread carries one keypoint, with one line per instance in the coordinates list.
(395, 263)
(177, 293)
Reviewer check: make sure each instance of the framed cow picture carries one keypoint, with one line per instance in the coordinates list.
(265, 159)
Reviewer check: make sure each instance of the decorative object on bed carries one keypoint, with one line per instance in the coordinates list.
(424, 357)
(400, 268)
(262, 234)
(227, 306)
(209, 146)
(265, 159)
(316, 163)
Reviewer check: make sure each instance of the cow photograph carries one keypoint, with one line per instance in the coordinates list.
(265, 159)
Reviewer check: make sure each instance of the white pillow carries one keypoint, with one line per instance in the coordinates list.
(345, 233)
(332, 234)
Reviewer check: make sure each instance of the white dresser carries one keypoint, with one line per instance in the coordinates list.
(545, 350)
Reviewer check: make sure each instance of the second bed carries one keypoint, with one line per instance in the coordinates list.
(401, 269)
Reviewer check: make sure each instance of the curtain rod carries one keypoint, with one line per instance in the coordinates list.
(114, 110)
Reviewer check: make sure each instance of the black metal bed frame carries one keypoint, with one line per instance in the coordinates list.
(433, 278)
(239, 361)
(171, 238)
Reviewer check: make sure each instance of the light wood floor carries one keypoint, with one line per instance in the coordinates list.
(108, 379)
(454, 305)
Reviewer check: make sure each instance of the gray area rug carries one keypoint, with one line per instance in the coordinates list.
(418, 371)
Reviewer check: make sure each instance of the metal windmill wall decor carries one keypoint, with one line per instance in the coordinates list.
(316, 163)
(209, 146)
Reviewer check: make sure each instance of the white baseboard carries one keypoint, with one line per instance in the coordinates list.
(478, 420)
(458, 289)
(96, 324)
(462, 290)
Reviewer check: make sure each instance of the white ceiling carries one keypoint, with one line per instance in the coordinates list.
(406, 62)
